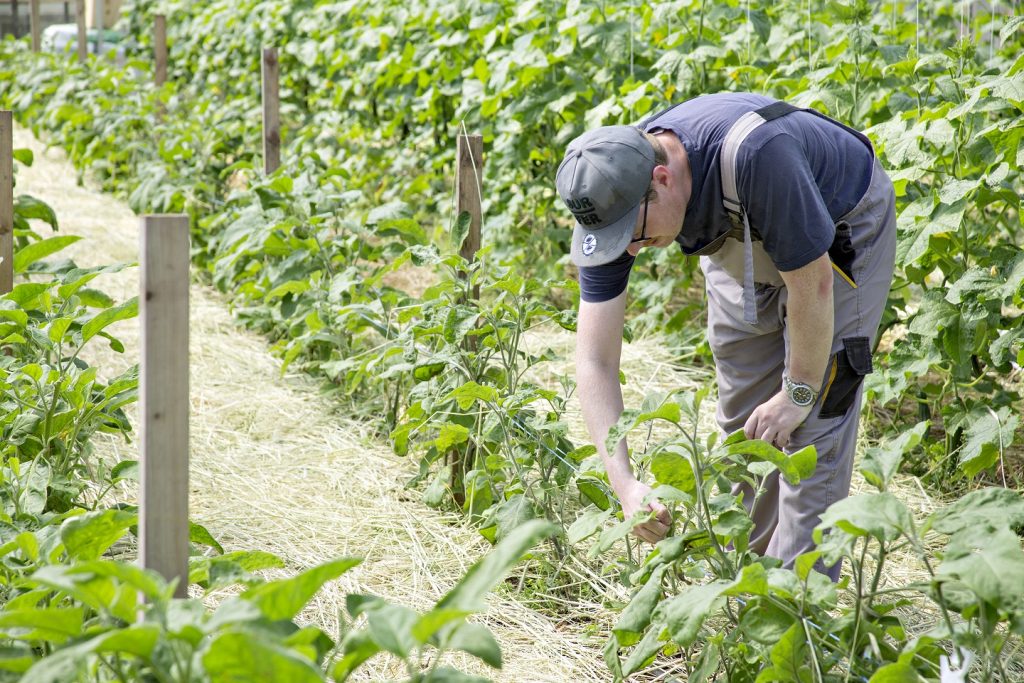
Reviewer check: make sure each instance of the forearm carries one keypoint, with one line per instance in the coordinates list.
(810, 321)
(601, 400)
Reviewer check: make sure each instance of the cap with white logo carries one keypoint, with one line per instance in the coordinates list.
(603, 180)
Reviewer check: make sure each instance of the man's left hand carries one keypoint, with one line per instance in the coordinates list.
(775, 420)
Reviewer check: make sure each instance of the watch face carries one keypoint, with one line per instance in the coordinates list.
(802, 395)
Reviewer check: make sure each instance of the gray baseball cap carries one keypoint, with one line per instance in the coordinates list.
(603, 180)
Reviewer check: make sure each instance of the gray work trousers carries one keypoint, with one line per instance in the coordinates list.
(751, 359)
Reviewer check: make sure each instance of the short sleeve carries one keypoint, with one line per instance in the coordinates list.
(605, 282)
(784, 204)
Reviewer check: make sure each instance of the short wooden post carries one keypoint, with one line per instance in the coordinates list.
(164, 400)
(469, 151)
(6, 202)
(33, 6)
(160, 49)
(271, 112)
(83, 47)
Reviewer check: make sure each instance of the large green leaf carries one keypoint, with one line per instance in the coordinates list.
(243, 657)
(36, 251)
(468, 593)
(285, 598)
(989, 433)
(989, 507)
(88, 536)
(988, 561)
(881, 515)
(685, 613)
(109, 316)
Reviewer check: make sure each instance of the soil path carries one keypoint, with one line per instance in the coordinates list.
(275, 468)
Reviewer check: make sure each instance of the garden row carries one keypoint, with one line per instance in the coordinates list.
(74, 606)
(371, 97)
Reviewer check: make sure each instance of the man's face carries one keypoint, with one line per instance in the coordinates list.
(658, 223)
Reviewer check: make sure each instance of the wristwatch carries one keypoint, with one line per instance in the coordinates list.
(799, 393)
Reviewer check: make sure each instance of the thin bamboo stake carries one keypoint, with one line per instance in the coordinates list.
(164, 397)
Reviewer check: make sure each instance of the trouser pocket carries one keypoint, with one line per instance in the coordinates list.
(846, 372)
(842, 253)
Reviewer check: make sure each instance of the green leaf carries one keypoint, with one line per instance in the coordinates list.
(989, 433)
(54, 624)
(26, 293)
(674, 469)
(897, 672)
(450, 435)
(24, 156)
(199, 534)
(461, 229)
(31, 208)
(636, 617)
(471, 392)
(88, 536)
(764, 621)
(478, 641)
(685, 613)
(794, 468)
(36, 251)
(790, 661)
(103, 319)
(587, 524)
(285, 598)
(468, 593)
(391, 627)
(881, 463)
(247, 656)
(989, 507)
(989, 562)
(881, 515)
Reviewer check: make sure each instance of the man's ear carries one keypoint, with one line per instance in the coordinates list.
(660, 176)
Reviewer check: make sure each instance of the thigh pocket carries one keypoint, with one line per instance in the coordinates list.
(846, 373)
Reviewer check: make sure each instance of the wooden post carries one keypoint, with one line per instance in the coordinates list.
(160, 49)
(164, 400)
(6, 202)
(271, 112)
(83, 47)
(469, 151)
(33, 6)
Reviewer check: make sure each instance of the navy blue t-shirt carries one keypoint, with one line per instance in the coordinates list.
(796, 175)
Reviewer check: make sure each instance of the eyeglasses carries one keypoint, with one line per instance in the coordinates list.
(643, 226)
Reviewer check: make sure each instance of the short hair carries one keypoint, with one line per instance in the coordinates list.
(660, 159)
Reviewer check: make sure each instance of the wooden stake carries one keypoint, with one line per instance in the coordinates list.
(469, 155)
(83, 47)
(271, 112)
(164, 399)
(36, 29)
(160, 49)
(6, 202)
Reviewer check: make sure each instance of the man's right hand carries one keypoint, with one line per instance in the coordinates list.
(652, 530)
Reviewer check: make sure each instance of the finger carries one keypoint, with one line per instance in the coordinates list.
(663, 515)
(643, 534)
(750, 426)
(656, 528)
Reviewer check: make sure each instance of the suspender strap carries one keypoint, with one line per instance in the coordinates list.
(743, 127)
(776, 110)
